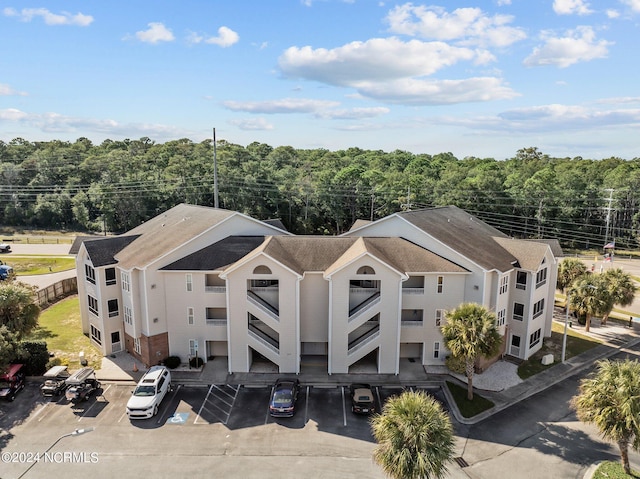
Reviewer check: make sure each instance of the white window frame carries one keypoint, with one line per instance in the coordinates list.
(504, 284)
(90, 273)
(128, 315)
(124, 279)
(440, 284)
(189, 282)
(96, 334)
(193, 347)
(136, 345)
(440, 317)
(190, 315)
(436, 349)
(93, 305)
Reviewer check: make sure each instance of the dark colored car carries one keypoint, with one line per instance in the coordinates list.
(81, 385)
(283, 398)
(362, 401)
(12, 381)
(54, 381)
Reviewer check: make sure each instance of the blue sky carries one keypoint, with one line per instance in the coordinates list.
(476, 78)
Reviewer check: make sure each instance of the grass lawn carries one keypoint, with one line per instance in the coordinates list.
(468, 408)
(60, 326)
(612, 470)
(576, 344)
(28, 265)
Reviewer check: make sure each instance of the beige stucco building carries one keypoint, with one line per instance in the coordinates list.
(198, 281)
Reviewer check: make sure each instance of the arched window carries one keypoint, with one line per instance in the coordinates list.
(365, 270)
(262, 269)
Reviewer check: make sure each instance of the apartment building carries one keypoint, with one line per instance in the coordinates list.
(197, 281)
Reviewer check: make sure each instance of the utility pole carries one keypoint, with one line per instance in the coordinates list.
(215, 172)
(608, 208)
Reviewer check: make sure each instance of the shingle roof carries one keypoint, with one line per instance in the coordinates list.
(78, 240)
(218, 255)
(102, 251)
(168, 231)
(528, 253)
(463, 233)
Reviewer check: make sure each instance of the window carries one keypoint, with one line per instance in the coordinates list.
(112, 306)
(366, 270)
(136, 345)
(96, 335)
(515, 341)
(541, 277)
(261, 270)
(90, 273)
(439, 317)
(115, 337)
(124, 278)
(110, 276)
(521, 280)
(128, 315)
(534, 338)
(518, 311)
(538, 308)
(504, 284)
(189, 278)
(190, 315)
(502, 314)
(440, 284)
(93, 304)
(436, 349)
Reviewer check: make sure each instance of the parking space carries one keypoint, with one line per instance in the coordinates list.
(218, 404)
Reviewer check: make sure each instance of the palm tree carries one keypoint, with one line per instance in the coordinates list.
(611, 401)
(589, 296)
(414, 436)
(569, 270)
(621, 290)
(470, 333)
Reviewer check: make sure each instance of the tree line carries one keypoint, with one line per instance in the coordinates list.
(114, 186)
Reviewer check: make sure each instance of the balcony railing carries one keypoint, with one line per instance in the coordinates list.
(412, 290)
(216, 321)
(263, 306)
(411, 323)
(364, 339)
(364, 305)
(215, 289)
(272, 343)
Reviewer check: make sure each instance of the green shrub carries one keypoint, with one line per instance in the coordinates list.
(35, 358)
(455, 365)
(172, 362)
(54, 362)
(196, 362)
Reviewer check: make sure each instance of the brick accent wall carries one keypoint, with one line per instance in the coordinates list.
(153, 349)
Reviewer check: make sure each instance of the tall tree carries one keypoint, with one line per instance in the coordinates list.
(569, 270)
(611, 401)
(414, 436)
(10, 348)
(588, 297)
(621, 290)
(18, 309)
(470, 333)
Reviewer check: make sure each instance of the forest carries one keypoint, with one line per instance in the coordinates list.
(115, 186)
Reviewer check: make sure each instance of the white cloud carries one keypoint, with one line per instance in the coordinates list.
(634, 4)
(285, 105)
(64, 18)
(353, 113)
(465, 26)
(226, 37)
(156, 32)
(252, 124)
(571, 7)
(412, 91)
(579, 45)
(612, 13)
(56, 123)
(6, 90)
(376, 59)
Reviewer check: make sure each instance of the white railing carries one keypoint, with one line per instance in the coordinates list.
(412, 290)
(263, 341)
(364, 309)
(215, 289)
(364, 342)
(263, 308)
(216, 321)
(411, 323)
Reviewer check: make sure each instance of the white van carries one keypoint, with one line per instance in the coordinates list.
(149, 393)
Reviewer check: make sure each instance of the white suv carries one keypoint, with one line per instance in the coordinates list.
(149, 393)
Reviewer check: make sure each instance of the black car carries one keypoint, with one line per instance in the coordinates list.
(54, 381)
(362, 401)
(283, 398)
(12, 381)
(81, 385)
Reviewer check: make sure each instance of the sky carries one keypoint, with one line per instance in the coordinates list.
(476, 78)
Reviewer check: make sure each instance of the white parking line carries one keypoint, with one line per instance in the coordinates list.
(344, 408)
(203, 403)
(37, 413)
(379, 400)
(94, 403)
(161, 418)
(306, 407)
(266, 417)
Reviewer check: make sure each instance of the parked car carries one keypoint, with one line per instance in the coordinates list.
(12, 381)
(362, 401)
(283, 398)
(5, 248)
(6, 271)
(81, 385)
(149, 393)
(55, 381)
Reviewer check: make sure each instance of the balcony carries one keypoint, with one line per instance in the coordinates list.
(412, 291)
(215, 289)
(264, 306)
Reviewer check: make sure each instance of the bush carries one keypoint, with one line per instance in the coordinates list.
(54, 362)
(455, 364)
(196, 362)
(172, 362)
(36, 357)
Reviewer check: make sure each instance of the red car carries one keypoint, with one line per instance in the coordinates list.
(12, 381)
